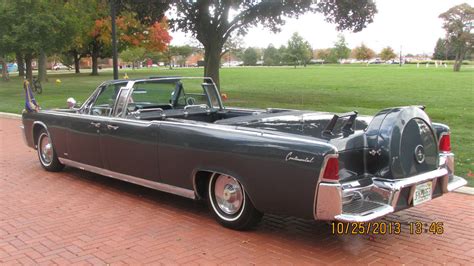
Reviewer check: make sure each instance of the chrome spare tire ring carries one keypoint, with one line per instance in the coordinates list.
(227, 197)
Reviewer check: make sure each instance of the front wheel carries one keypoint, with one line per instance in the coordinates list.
(46, 154)
(230, 203)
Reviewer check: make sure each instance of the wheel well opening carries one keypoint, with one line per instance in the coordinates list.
(36, 130)
(201, 179)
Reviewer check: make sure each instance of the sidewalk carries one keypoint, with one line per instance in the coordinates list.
(79, 217)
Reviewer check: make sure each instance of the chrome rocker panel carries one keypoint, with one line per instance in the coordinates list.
(332, 203)
(131, 179)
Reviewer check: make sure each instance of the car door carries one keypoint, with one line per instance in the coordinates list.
(83, 141)
(130, 146)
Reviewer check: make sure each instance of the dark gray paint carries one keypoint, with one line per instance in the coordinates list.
(250, 145)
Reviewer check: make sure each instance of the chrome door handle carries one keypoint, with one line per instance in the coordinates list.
(95, 124)
(112, 127)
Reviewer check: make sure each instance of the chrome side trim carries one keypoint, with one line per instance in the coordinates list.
(40, 123)
(131, 179)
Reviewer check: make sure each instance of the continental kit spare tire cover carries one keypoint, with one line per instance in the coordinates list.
(401, 143)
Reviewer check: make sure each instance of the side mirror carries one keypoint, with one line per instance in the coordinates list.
(224, 96)
(71, 103)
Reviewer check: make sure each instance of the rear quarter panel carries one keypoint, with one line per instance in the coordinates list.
(274, 184)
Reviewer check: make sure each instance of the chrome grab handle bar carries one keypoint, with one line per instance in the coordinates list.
(112, 127)
(203, 106)
(95, 124)
(139, 111)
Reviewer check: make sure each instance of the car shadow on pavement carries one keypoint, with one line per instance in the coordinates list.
(284, 230)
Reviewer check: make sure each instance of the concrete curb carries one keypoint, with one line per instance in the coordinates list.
(10, 115)
(464, 190)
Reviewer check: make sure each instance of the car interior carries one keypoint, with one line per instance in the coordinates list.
(169, 99)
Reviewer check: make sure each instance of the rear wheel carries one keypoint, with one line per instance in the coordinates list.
(46, 154)
(230, 203)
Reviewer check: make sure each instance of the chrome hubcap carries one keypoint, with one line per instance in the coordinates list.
(229, 194)
(46, 149)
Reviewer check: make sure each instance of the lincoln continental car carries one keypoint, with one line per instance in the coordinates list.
(173, 134)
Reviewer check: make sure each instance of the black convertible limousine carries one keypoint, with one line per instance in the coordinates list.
(175, 135)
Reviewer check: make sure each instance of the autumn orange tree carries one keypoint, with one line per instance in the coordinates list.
(140, 23)
(131, 33)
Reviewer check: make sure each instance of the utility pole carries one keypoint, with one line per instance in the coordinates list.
(400, 60)
(114, 39)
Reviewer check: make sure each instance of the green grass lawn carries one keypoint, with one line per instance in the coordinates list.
(448, 96)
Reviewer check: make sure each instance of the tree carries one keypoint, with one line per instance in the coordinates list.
(444, 51)
(387, 53)
(458, 22)
(250, 57)
(131, 33)
(340, 50)
(328, 55)
(90, 15)
(169, 53)
(84, 13)
(35, 28)
(363, 52)
(271, 57)
(133, 55)
(285, 58)
(183, 53)
(213, 22)
(299, 50)
(233, 45)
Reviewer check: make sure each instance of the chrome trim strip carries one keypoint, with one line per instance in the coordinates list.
(40, 123)
(131, 179)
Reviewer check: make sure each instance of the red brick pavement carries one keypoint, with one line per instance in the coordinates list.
(79, 217)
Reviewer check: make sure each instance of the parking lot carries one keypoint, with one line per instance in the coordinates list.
(79, 217)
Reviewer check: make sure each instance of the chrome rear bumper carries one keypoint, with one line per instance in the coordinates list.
(354, 202)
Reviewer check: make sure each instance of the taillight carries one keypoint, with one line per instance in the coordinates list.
(331, 171)
(445, 143)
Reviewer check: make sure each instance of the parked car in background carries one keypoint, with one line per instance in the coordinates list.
(175, 135)
(375, 61)
(59, 66)
(392, 62)
(11, 67)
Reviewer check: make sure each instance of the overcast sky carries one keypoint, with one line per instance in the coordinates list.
(412, 24)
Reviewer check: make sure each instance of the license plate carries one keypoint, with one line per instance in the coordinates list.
(422, 193)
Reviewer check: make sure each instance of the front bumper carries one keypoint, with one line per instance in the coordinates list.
(376, 197)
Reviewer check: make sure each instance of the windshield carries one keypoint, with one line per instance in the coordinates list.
(173, 94)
